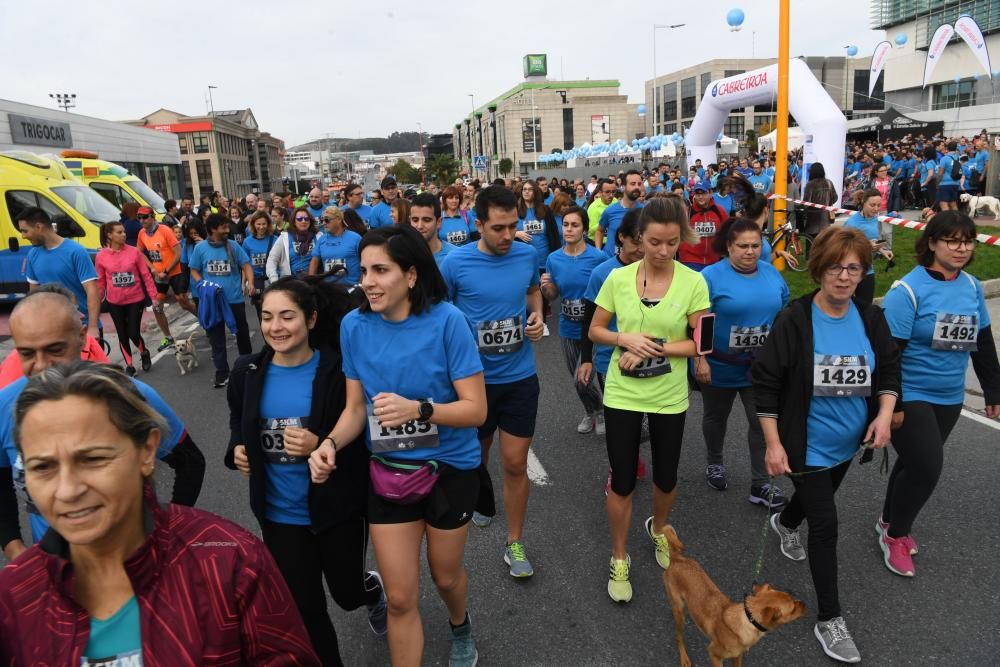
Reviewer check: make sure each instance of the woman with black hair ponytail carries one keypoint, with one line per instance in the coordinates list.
(282, 402)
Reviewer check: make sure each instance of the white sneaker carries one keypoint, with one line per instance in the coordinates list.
(545, 330)
(599, 427)
(586, 424)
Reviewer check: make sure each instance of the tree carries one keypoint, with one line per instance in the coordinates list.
(443, 169)
(405, 172)
(506, 166)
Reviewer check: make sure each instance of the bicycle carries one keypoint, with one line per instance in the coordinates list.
(797, 245)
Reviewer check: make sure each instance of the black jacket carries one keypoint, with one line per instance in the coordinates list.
(344, 495)
(783, 372)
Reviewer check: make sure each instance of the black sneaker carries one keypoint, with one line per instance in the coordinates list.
(130, 371)
(768, 495)
(715, 475)
(221, 379)
(378, 613)
(147, 363)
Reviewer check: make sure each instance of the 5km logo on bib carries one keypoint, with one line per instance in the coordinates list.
(500, 336)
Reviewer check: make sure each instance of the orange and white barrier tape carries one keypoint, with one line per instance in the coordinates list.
(899, 222)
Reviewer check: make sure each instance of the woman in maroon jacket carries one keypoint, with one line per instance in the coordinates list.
(121, 579)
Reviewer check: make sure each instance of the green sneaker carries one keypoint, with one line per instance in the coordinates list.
(165, 342)
(514, 556)
(619, 587)
(660, 542)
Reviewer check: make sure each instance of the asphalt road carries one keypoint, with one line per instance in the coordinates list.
(949, 614)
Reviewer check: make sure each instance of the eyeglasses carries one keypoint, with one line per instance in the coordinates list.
(142, 216)
(301, 219)
(853, 270)
(955, 244)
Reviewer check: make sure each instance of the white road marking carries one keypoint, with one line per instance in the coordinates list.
(992, 423)
(536, 473)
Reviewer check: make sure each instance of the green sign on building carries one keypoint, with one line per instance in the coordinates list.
(535, 64)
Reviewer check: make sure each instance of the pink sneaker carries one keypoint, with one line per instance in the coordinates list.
(641, 470)
(911, 544)
(896, 554)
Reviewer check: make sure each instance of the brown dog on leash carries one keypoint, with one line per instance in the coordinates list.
(732, 628)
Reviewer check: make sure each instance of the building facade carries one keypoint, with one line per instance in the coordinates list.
(152, 156)
(679, 94)
(959, 91)
(224, 151)
(540, 116)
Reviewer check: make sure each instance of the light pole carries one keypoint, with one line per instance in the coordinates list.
(423, 163)
(472, 129)
(534, 128)
(65, 101)
(659, 26)
(211, 102)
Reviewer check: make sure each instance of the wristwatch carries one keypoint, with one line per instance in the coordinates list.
(426, 410)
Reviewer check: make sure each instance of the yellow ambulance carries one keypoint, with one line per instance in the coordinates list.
(27, 179)
(112, 181)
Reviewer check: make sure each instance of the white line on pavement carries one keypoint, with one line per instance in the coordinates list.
(536, 473)
(966, 413)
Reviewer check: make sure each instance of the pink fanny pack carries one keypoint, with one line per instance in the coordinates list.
(403, 483)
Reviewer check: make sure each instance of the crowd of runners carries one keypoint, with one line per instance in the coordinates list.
(398, 356)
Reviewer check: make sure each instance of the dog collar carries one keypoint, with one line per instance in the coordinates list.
(753, 621)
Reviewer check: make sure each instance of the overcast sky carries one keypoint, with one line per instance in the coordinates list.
(368, 68)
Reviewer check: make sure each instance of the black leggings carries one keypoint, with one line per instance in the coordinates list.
(624, 432)
(813, 501)
(305, 559)
(127, 319)
(919, 445)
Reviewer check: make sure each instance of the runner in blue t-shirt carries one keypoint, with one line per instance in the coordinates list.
(46, 329)
(607, 227)
(355, 196)
(761, 183)
(381, 215)
(495, 283)
(336, 249)
(536, 225)
(746, 295)
(866, 219)
(938, 316)
(219, 261)
(567, 274)
(456, 227)
(947, 188)
(415, 388)
(257, 245)
(53, 259)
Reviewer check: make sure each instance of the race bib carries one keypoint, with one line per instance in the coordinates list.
(457, 238)
(128, 659)
(747, 339)
(572, 309)
(259, 260)
(331, 264)
(218, 267)
(534, 227)
(704, 228)
(841, 376)
(272, 439)
(500, 336)
(649, 368)
(122, 279)
(955, 333)
(154, 256)
(414, 434)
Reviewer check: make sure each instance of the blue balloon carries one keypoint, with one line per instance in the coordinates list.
(901, 39)
(958, 79)
(642, 109)
(735, 18)
(852, 50)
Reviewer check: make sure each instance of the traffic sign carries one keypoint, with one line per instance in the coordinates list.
(479, 162)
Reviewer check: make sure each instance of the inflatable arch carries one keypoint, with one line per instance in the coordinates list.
(822, 122)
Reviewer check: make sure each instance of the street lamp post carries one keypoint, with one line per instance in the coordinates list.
(659, 26)
(534, 127)
(211, 102)
(472, 143)
(64, 101)
(423, 155)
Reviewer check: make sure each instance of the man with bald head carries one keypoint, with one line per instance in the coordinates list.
(47, 332)
(316, 205)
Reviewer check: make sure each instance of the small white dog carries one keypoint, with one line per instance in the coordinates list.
(985, 202)
(186, 354)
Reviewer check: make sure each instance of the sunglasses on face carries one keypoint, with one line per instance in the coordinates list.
(143, 216)
(298, 219)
